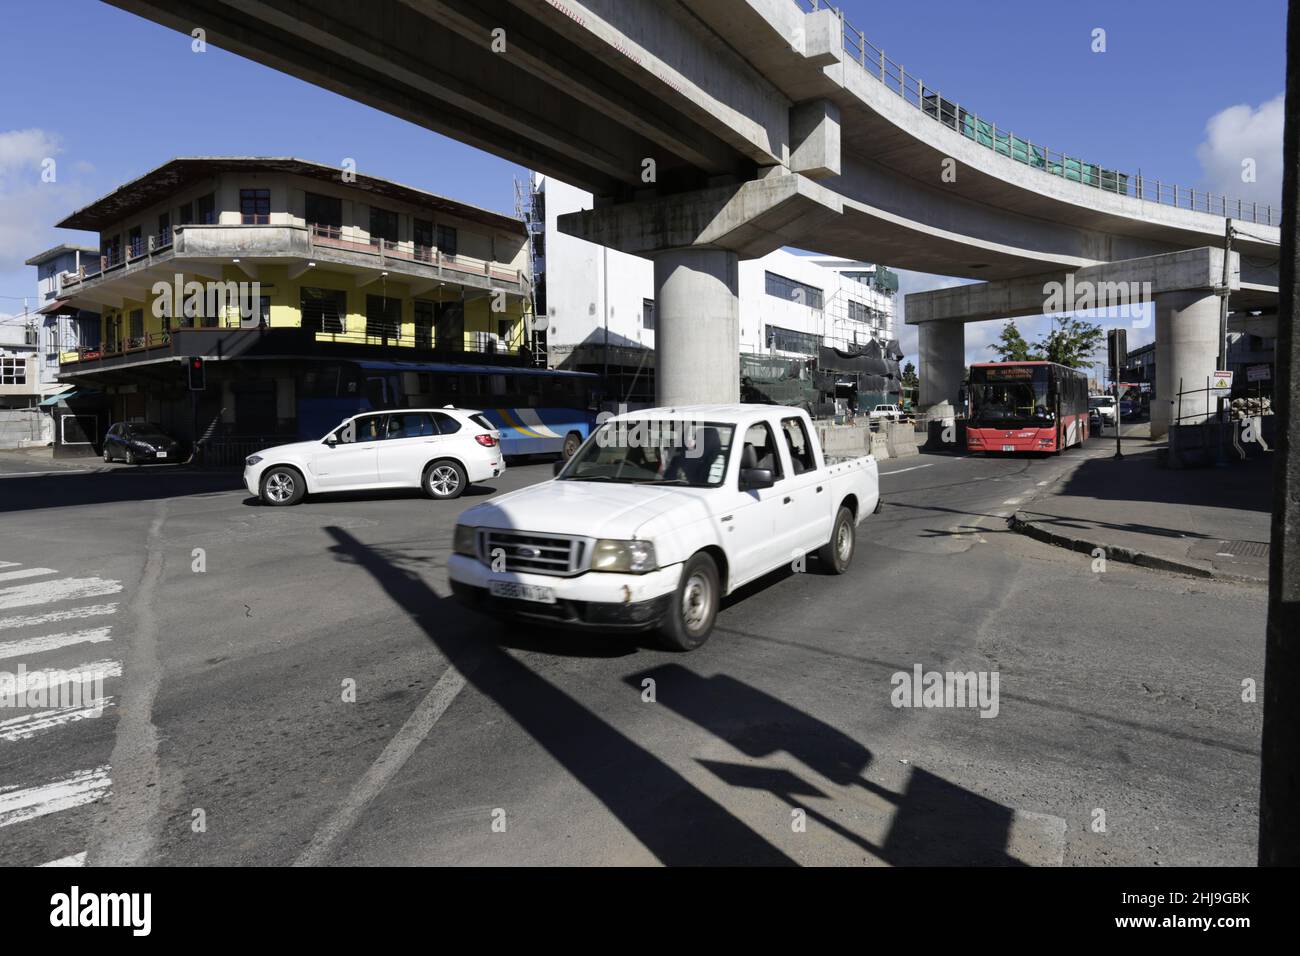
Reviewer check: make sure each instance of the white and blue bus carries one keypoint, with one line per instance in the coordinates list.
(537, 411)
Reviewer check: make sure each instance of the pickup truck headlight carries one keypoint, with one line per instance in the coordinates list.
(627, 557)
(252, 460)
(464, 540)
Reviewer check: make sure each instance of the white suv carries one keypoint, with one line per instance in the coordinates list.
(442, 450)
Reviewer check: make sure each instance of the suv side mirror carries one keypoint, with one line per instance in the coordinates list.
(331, 441)
(752, 479)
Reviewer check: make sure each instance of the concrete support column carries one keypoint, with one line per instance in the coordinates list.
(1187, 348)
(697, 326)
(942, 350)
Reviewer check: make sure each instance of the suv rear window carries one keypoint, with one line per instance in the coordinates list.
(482, 422)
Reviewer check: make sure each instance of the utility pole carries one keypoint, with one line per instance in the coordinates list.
(1279, 784)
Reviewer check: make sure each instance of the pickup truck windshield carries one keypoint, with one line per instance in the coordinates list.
(648, 452)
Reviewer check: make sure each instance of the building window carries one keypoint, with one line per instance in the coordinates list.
(383, 318)
(13, 370)
(449, 327)
(187, 214)
(255, 207)
(648, 314)
(136, 328)
(788, 340)
(207, 207)
(422, 238)
(447, 240)
(423, 325)
(325, 215)
(323, 310)
(793, 291)
(383, 225)
(134, 243)
(164, 230)
(110, 248)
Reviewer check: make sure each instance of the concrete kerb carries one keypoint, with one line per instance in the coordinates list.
(1021, 523)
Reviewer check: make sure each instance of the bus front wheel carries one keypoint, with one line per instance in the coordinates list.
(572, 442)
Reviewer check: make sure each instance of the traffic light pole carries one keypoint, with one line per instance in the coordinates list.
(1279, 782)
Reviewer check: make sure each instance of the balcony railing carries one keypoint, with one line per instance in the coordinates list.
(321, 236)
(872, 59)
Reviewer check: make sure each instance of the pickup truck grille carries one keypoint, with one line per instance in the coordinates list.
(559, 555)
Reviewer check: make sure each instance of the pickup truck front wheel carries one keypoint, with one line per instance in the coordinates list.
(689, 620)
(837, 554)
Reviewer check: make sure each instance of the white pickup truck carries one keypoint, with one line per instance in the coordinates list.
(658, 516)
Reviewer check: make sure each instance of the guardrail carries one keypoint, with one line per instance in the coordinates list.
(872, 59)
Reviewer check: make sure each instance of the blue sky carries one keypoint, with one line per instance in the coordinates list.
(142, 97)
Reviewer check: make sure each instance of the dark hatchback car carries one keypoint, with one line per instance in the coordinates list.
(134, 442)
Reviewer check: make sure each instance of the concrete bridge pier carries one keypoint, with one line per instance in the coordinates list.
(697, 326)
(696, 241)
(941, 347)
(1187, 349)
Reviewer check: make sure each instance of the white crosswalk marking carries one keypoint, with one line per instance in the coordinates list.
(52, 642)
(29, 725)
(25, 573)
(62, 589)
(60, 696)
(78, 789)
(53, 617)
(27, 682)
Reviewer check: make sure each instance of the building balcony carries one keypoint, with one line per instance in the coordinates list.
(129, 272)
(233, 338)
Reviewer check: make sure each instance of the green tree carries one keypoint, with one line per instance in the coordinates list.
(910, 379)
(1070, 342)
(1011, 345)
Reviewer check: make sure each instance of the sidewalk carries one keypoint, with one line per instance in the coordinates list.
(1211, 522)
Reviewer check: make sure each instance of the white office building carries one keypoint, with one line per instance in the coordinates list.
(597, 307)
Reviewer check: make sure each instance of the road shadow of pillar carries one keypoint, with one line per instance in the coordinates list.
(673, 819)
(936, 822)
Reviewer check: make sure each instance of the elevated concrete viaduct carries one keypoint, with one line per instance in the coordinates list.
(712, 130)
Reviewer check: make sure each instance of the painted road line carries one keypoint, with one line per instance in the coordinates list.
(25, 573)
(1012, 501)
(52, 642)
(53, 617)
(77, 859)
(80, 788)
(887, 474)
(9, 564)
(45, 474)
(47, 678)
(29, 725)
(393, 758)
(60, 589)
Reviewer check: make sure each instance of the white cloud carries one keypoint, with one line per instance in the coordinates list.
(29, 205)
(22, 151)
(1236, 135)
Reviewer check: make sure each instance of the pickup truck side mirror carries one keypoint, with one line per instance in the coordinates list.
(752, 479)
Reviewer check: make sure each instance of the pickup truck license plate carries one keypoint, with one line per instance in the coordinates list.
(521, 592)
(160, 454)
(1008, 447)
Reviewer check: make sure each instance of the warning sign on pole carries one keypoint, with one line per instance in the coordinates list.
(1221, 383)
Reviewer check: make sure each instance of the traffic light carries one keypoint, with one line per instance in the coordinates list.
(1117, 347)
(197, 375)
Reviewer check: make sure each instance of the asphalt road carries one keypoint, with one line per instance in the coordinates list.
(296, 686)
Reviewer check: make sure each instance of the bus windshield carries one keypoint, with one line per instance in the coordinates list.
(1011, 397)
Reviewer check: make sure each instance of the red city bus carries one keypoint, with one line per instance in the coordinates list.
(1026, 406)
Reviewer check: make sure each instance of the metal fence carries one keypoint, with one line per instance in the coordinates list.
(950, 113)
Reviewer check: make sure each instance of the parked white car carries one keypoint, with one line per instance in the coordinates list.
(658, 516)
(442, 450)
